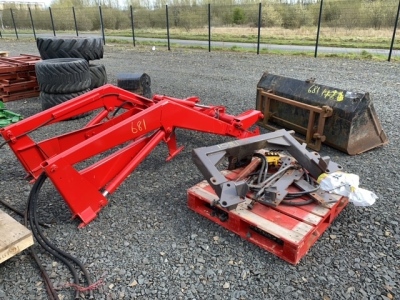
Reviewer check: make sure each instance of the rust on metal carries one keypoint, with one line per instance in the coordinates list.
(19, 95)
(251, 167)
(342, 119)
(18, 77)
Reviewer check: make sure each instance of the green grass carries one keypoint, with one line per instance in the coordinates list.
(342, 38)
(364, 55)
(278, 36)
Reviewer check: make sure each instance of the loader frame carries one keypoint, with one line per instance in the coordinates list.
(129, 124)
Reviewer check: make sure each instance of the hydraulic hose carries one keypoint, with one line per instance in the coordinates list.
(45, 243)
(260, 187)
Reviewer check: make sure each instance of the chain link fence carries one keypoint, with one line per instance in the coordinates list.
(352, 21)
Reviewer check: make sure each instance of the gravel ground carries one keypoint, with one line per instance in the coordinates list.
(147, 244)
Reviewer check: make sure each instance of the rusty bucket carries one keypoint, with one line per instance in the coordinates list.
(342, 119)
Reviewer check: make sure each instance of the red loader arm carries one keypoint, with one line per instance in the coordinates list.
(128, 124)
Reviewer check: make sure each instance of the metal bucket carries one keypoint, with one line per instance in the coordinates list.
(342, 119)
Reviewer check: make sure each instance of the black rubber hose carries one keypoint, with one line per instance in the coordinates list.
(264, 167)
(53, 247)
(301, 193)
(297, 203)
(49, 285)
(18, 212)
(119, 107)
(32, 202)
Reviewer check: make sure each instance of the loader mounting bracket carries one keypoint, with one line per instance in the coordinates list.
(314, 133)
(233, 192)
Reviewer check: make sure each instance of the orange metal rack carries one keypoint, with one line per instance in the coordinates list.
(18, 77)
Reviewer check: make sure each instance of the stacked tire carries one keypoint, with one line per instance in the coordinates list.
(61, 79)
(66, 71)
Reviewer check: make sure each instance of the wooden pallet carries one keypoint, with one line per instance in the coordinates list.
(19, 85)
(18, 77)
(14, 237)
(286, 231)
(19, 95)
(18, 63)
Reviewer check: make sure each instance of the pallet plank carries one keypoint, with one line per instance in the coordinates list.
(287, 225)
(18, 63)
(18, 75)
(18, 85)
(271, 221)
(14, 237)
(19, 95)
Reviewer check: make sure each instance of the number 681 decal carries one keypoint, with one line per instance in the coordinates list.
(139, 126)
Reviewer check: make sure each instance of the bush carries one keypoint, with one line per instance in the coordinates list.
(331, 12)
(239, 16)
(377, 14)
(84, 22)
(294, 15)
(41, 19)
(187, 17)
(144, 18)
(115, 19)
(63, 18)
(348, 14)
(271, 17)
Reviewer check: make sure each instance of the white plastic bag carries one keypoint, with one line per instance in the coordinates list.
(339, 183)
(346, 184)
(362, 197)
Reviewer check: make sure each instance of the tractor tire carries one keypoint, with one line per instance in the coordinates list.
(98, 76)
(89, 48)
(50, 100)
(63, 75)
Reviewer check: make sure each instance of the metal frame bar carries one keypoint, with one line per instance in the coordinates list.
(313, 137)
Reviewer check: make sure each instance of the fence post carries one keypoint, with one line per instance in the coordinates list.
(319, 27)
(259, 28)
(102, 25)
(76, 24)
(133, 28)
(209, 27)
(33, 26)
(394, 32)
(13, 20)
(166, 13)
(52, 21)
(1, 23)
